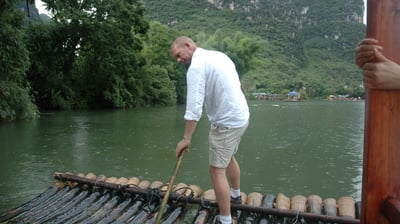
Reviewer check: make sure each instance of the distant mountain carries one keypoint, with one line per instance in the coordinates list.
(313, 40)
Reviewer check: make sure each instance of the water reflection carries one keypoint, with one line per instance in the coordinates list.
(80, 140)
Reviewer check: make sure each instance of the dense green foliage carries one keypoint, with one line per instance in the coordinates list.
(15, 100)
(115, 53)
(307, 45)
(95, 46)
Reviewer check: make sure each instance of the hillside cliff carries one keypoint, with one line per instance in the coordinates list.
(312, 41)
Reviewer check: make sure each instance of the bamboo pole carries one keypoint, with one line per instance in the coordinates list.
(381, 166)
(169, 189)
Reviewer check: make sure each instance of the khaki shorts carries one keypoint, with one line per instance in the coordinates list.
(223, 144)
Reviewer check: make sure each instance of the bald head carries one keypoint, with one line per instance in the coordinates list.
(181, 41)
(182, 49)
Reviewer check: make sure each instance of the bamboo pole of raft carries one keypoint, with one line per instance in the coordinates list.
(169, 189)
(381, 164)
(205, 202)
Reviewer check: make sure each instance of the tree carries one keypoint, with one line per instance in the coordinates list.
(96, 48)
(15, 99)
(241, 48)
(161, 71)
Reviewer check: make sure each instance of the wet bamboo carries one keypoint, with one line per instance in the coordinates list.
(176, 211)
(38, 214)
(267, 202)
(31, 204)
(381, 166)
(67, 206)
(116, 211)
(132, 209)
(201, 201)
(102, 212)
(91, 209)
(79, 208)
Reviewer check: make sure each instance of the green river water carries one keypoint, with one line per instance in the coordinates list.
(309, 147)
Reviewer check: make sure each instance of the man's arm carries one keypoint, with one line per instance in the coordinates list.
(184, 144)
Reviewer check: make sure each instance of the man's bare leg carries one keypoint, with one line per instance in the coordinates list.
(221, 188)
(234, 173)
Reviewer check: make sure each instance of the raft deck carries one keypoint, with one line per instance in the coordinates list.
(97, 199)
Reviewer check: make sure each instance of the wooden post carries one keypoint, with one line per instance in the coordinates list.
(391, 209)
(381, 165)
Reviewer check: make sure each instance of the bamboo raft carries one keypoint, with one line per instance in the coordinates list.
(97, 199)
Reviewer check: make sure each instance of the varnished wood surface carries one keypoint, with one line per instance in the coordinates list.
(381, 171)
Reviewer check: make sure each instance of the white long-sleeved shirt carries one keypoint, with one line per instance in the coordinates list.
(212, 80)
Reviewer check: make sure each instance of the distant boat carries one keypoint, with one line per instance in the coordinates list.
(293, 96)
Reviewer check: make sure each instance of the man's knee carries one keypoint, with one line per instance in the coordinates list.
(215, 171)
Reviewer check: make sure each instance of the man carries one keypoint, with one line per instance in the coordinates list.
(378, 71)
(212, 80)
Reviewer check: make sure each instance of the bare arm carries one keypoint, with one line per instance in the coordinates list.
(184, 144)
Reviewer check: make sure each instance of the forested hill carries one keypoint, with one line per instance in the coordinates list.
(304, 45)
(115, 54)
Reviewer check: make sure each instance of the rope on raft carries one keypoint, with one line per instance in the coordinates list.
(134, 189)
